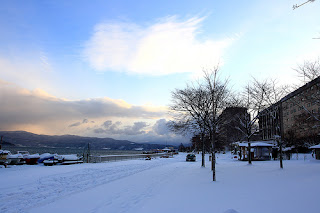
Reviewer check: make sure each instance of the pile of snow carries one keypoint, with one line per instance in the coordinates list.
(163, 185)
(315, 147)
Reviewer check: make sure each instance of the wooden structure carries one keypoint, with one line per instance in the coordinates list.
(259, 150)
(316, 149)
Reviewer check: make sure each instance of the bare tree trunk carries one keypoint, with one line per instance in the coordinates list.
(213, 159)
(281, 137)
(249, 145)
(281, 165)
(213, 165)
(203, 151)
(280, 150)
(249, 152)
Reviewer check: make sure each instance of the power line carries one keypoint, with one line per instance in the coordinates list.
(295, 6)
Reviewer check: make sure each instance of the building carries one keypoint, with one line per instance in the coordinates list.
(270, 123)
(231, 126)
(260, 150)
(197, 143)
(295, 117)
(316, 151)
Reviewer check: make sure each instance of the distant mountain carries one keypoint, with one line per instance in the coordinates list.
(22, 138)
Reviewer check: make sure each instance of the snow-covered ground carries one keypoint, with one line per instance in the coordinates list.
(163, 185)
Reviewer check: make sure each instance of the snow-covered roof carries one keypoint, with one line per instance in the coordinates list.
(286, 149)
(315, 147)
(254, 144)
(5, 152)
(262, 144)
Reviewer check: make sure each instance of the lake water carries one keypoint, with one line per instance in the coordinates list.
(65, 151)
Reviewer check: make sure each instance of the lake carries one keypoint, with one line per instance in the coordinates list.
(65, 151)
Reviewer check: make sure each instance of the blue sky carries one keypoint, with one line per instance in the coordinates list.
(80, 60)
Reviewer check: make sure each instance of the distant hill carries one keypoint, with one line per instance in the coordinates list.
(22, 138)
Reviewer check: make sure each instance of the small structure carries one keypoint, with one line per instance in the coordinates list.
(316, 149)
(259, 150)
(287, 151)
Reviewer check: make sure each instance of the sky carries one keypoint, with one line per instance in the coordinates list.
(107, 68)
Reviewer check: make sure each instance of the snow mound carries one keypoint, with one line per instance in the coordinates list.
(231, 211)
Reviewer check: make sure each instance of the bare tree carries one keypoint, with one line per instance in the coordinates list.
(309, 70)
(219, 100)
(273, 112)
(301, 106)
(301, 122)
(230, 128)
(197, 108)
(257, 98)
(190, 107)
(253, 101)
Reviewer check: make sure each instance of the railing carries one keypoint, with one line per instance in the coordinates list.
(106, 158)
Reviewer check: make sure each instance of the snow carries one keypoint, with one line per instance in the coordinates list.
(163, 185)
(255, 144)
(315, 147)
(69, 157)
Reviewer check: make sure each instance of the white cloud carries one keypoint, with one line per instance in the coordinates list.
(161, 127)
(39, 112)
(116, 128)
(155, 131)
(168, 46)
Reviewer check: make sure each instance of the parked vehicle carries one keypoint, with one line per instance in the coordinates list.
(191, 157)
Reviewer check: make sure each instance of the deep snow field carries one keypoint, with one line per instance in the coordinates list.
(164, 185)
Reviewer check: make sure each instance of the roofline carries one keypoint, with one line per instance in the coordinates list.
(301, 89)
(294, 93)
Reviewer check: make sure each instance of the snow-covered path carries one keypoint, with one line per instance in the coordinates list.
(163, 185)
(27, 186)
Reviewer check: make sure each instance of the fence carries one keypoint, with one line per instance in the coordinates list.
(106, 158)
